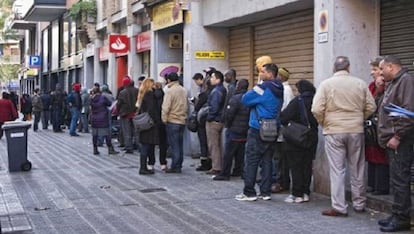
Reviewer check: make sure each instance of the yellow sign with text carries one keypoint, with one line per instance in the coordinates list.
(214, 54)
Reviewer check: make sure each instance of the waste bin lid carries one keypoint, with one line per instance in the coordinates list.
(15, 124)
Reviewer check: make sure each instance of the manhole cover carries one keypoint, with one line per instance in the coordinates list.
(152, 190)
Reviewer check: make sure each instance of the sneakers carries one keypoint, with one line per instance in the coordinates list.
(164, 167)
(305, 197)
(264, 197)
(150, 167)
(293, 199)
(242, 197)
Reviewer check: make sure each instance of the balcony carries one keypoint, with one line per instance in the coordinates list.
(10, 59)
(44, 10)
(17, 22)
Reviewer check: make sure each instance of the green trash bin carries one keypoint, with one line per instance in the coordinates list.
(16, 135)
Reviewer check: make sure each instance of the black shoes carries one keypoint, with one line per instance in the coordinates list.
(146, 172)
(205, 165)
(173, 170)
(392, 224)
(221, 177)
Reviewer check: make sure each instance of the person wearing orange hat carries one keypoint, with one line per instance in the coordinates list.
(75, 105)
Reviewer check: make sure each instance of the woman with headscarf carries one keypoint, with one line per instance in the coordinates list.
(300, 159)
(147, 101)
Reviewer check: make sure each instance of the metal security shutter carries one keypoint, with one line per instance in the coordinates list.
(397, 31)
(240, 56)
(397, 37)
(288, 39)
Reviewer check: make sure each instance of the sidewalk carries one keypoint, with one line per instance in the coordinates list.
(69, 190)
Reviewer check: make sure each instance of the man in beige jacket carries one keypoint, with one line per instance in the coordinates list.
(341, 104)
(174, 114)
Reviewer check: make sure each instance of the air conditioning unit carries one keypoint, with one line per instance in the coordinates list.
(175, 40)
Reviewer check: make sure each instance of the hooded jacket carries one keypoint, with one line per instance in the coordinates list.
(266, 98)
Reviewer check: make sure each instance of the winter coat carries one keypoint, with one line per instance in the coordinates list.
(74, 100)
(373, 152)
(399, 92)
(7, 111)
(57, 99)
(237, 116)
(45, 101)
(265, 98)
(294, 113)
(342, 103)
(174, 106)
(126, 102)
(216, 101)
(151, 104)
(37, 103)
(26, 104)
(99, 111)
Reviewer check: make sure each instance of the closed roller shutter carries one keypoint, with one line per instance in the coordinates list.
(397, 31)
(240, 55)
(397, 37)
(288, 39)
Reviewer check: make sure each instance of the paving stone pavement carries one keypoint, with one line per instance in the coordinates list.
(69, 190)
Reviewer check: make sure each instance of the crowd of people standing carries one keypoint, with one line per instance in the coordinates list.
(355, 126)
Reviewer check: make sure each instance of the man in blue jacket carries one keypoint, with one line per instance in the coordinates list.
(265, 101)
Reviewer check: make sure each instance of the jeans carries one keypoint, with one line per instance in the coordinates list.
(36, 120)
(128, 133)
(45, 118)
(257, 151)
(146, 151)
(400, 165)
(233, 149)
(281, 166)
(175, 139)
(74, 111)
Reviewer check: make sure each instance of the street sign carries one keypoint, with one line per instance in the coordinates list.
(214, 54)
(34, 61)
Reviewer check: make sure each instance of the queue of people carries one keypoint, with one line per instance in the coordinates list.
(355, 126)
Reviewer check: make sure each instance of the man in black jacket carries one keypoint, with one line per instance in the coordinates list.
(237, 123)
(126, 109)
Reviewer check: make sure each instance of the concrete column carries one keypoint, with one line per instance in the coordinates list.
(96, 63)
(134, 69)
(352, 30)
(196, 37)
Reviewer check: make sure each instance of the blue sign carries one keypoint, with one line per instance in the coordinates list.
(34, 61)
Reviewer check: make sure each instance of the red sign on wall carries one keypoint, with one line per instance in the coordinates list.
(143, 41)
(118, 44)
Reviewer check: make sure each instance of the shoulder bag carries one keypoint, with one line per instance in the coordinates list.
(268, 128)
(298, 134)
(142, 121)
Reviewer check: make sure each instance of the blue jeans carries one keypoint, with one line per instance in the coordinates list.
(175, 139)
(74, 111)
(257, 151)
(85, 122)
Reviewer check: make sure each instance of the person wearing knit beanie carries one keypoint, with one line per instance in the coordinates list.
(76, 87)
(126, 81)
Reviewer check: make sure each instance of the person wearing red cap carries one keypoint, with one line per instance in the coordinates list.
(126, 109)
(75, 105)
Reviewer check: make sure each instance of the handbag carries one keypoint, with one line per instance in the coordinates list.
(298, 134)
(192, 123)
(370, 131)
(143, 121)
(268, 128)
